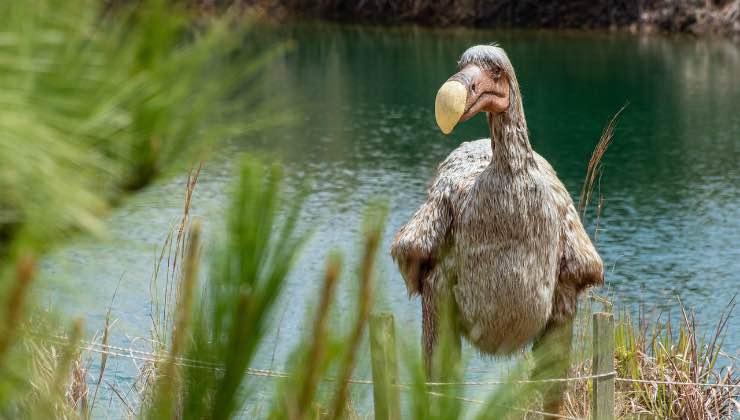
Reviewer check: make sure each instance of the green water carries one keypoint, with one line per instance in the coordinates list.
(365, 130)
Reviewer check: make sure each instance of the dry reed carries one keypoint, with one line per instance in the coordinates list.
(593, 170)
(63, 398)
(103, 356)
(25, 272)
(168, 388)
(317, 350)
(372, 239)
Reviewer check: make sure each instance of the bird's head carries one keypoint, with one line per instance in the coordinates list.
(485, 82)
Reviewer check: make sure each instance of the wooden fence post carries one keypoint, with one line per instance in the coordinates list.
(385, 369)
(602, 400)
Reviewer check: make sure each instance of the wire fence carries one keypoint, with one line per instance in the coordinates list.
(164, 356)
(153, 357)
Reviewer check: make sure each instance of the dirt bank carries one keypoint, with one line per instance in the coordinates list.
(691, 16)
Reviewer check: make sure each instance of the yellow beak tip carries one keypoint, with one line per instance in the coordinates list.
(450, 105)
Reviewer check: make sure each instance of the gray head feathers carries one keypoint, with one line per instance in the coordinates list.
(486, 56)
(490, 57)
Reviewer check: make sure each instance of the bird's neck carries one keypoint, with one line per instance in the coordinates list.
(510, 143)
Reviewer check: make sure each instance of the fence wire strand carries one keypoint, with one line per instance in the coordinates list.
(704, 384)
(153, 357)
(524, 381)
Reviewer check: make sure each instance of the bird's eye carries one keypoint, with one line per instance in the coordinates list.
(472, 87)
(497, 73)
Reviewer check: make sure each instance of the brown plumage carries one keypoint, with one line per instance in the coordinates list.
(498, 234)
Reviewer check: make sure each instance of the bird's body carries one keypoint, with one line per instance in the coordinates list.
(498, 236)
(504, 238)
(501, 222)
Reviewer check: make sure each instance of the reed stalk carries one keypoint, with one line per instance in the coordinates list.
(168, 391)
(364, 305)
(318, 347)
(24, 275)
(593, 169)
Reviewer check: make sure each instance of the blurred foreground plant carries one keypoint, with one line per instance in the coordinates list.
(95, 104)
(203, 370)
(223, 331)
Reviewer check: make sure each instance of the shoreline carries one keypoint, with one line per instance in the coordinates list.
(709, 20)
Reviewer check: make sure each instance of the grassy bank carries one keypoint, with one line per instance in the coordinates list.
(665, 368)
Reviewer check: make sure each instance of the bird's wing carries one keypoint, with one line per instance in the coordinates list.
(580, 264)
(418, 244)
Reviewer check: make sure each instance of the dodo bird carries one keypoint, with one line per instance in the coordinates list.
(498, 235)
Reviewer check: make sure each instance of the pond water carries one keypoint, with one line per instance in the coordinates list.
(365, 130)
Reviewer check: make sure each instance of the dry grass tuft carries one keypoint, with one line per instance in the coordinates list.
(58, 376)
(166, 293)
(654, 352)
(593, 170)
(77, 391)
(662, 351)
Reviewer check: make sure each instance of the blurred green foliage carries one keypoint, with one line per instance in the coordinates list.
(98, 102)
(247, 274)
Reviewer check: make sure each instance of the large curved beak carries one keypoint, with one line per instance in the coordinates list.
(468, 92)
(450, 105)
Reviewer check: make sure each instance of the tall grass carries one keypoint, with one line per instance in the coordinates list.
(653, 351)
(668, 358)
(668, 369)
(202, 370)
